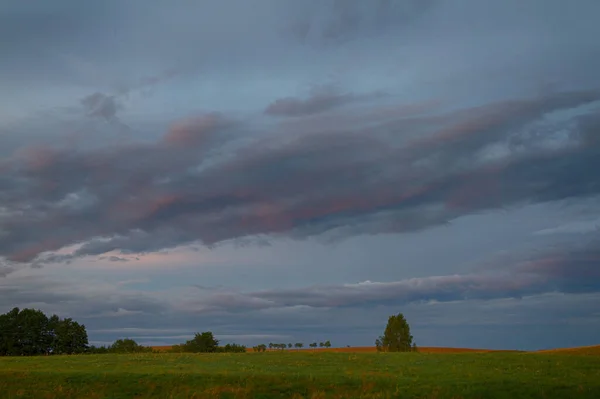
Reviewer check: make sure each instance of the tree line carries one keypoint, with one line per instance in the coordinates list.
(124, 345)
(297, 345)
(29, 332)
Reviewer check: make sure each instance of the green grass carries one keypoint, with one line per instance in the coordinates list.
(302, 375)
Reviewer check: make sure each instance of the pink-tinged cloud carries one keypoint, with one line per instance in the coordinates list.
(584, 265)
(149, 196)
(30, 252)
(193, 131)
(38, 158)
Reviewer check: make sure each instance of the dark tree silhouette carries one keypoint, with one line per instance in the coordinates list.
(202, 343)
(30, 332)
(396, 337)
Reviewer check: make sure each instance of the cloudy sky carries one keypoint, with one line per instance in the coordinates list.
(284, 171)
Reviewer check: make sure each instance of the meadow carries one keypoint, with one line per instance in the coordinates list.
(306, 374)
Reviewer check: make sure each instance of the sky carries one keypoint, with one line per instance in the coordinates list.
(298, 171)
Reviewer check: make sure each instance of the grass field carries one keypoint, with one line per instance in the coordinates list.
(317, 374)
(583, 350)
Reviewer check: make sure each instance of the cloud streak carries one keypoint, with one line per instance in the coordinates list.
(144, 197)
(572, 271)
(565, 270)
(321, 99)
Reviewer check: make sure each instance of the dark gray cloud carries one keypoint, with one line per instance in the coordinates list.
(41, 33)
(5, 270)
(112, 43)
(398, 174)
(100, 105)
(320, 100)
(589, 126)
(105, 106)
(339, 21)
(76, 299)
(116, 259)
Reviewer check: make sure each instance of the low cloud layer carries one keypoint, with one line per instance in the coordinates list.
(511, 298)
(567, 270)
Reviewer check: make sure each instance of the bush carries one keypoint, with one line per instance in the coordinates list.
(260, 348)
(97, 350)
(201, 343)
(232, 348)
(206, 342)
(128, 345)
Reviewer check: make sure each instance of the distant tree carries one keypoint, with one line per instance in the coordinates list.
(290, 345)
(414, 347)
(313, 345)
(327, 344)
(180, 348)
(262, 347)
(396, 337)
(232, 348)
(321, 344)
(204, 342)
(379, 344)
(127, 345)
(270, 345)
(298, 345)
